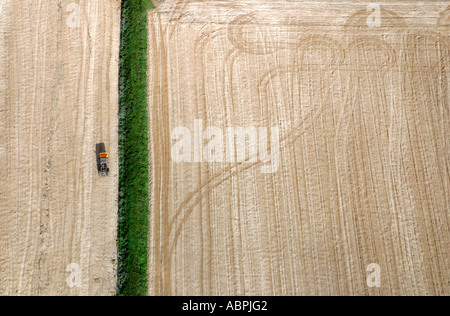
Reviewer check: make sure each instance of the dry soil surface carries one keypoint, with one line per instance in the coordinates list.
(58, 98)
(362, 189)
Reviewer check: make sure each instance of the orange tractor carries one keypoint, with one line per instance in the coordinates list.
(103, 165)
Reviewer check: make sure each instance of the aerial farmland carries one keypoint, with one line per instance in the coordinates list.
(224, 148)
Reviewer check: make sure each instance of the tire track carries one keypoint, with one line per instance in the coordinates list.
(355, 201)
(51, 120)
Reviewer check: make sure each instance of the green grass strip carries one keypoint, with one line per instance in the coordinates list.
(134, 156)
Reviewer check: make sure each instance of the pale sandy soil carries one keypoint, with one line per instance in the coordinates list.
(364, 167)
(58, 98)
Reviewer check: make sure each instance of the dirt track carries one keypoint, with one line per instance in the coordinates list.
(58, 98)
(365, 148)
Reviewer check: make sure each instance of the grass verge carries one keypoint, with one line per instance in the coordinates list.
(133, 147)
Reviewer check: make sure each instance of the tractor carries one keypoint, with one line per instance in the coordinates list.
(102, 160)
(103, 169)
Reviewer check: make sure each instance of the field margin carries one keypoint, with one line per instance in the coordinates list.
(133, 226)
